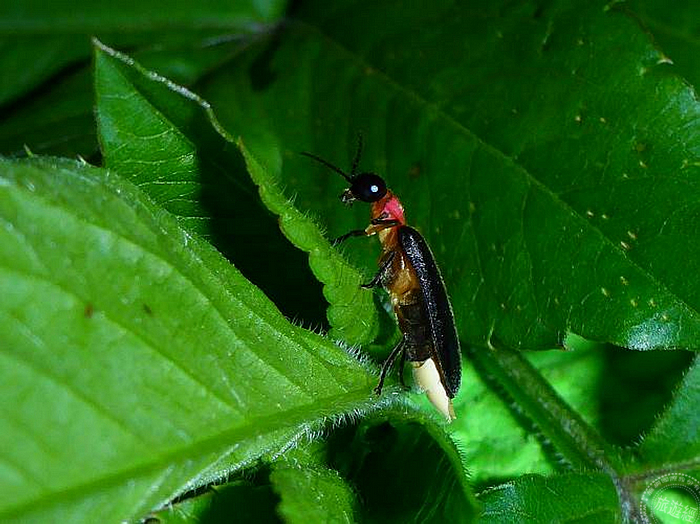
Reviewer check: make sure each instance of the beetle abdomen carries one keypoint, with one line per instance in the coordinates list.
(415, 327)
(438, 311)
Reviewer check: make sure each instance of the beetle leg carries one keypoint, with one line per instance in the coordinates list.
(402, 363)
(387, 365)
(371, 230)
(377, 280)
(343, 238)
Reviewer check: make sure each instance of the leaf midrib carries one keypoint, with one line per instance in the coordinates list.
(220, 444)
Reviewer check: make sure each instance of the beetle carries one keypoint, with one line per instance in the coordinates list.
(407, 270)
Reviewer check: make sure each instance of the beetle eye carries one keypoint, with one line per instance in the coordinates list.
(368, 187)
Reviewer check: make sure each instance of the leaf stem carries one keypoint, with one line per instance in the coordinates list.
(577, 441)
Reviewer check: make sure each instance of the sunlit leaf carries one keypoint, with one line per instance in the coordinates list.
(136, 361)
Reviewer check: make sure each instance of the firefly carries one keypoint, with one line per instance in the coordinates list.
(409, 273)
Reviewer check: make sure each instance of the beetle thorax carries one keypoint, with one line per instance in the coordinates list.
(388, 208)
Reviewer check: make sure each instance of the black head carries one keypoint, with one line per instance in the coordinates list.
(367, 187)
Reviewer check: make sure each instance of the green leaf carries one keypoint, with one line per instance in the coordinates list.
(643, 379)
(67, 103)
(26, 61)
(137, 363)
(572, 437)
(351, 311)
(34, 16)
(38, 39)
(676, 32)
(546, 150)
(404, 468)
(509, 448)
(297, 487)
(32, 126)
(581, 498)
(312, 494)
(151, 135)
(249, 502)
(674, 440)
(165, 140)
(161, 137)
(550, 166)
(581, 377)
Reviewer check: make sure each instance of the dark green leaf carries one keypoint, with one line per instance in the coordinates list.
(37, 39)
(576, 440)
(675, 29)
(675, 438)
(508, 447)
(68, 104)
(404, 468)
(26, 61)
(248, 502)
(297, 487)
(581, 498)
(643, 379)
(137, 363)
(63, 16)
(547, 154)
(312, 494)
(68, 107)
(351, 312)
(162, 138)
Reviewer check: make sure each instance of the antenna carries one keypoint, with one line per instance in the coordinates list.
(330, 166)
(356, 160)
